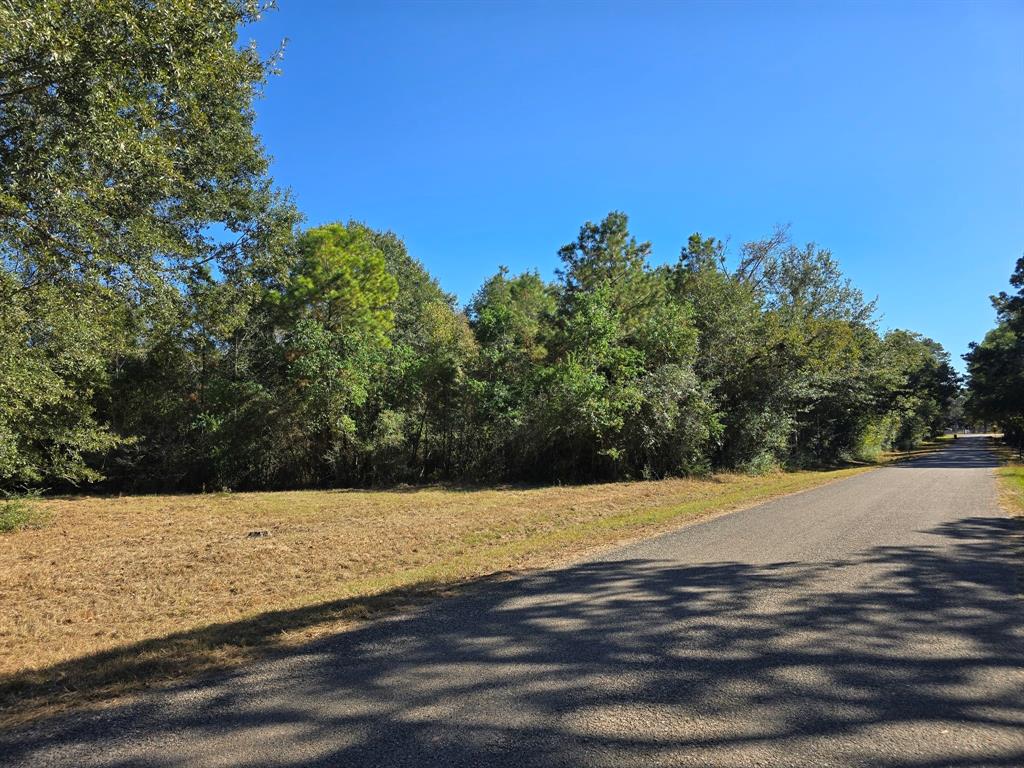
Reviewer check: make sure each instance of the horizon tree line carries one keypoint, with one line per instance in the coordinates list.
(166, 324)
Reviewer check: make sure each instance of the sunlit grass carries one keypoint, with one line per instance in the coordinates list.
(1012, 481)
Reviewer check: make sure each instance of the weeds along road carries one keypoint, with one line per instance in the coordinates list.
(874, 621)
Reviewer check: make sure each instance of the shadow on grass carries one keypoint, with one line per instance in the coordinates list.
(194, 654)
(612, 662)
(452, 486)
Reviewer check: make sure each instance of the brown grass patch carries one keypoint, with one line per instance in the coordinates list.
(121, 593)
(1011, 498)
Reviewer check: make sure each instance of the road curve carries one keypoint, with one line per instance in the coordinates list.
(875, 621)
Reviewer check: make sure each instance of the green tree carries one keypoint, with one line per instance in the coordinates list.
(606, 254)
(413, 425)
(130, 177)
(126, 131)
(332, 332)
(53, 357)
(996, 366)
(340, 280)
(587, 393)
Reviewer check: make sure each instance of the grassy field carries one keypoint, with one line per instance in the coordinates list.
(115, 594)
(1013, 475)
(1011, 478)
(1011, 497)
(1011, 481)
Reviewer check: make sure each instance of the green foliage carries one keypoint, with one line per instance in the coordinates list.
(164, 324)
(925, 393)
(606, 254)
(675, 424)
(996, 366)
(126, 131)
(137, 222)
(17, 512)
(339, 279)
(53, 358)
(588, 391)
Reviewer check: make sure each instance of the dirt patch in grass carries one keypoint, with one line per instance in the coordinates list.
(117, 594)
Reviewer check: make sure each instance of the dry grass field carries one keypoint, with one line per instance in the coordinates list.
(1012, 476)
(118, 593)
(1011, 483)
(1011, 497)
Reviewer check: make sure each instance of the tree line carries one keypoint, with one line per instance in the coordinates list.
(167, 324)
(995, 366)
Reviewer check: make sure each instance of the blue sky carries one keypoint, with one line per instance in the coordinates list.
(486, 133)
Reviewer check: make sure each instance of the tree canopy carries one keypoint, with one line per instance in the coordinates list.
(996, 365)
(165, 323)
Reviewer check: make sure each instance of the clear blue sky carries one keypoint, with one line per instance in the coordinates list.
(486, 133)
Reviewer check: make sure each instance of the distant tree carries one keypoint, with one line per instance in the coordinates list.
(1010, 306)
(920, 388)
(587, 392)
(396, 415)
(995, 367)
(513, 321)
(339, 279)
(996, 384)
(605, 254)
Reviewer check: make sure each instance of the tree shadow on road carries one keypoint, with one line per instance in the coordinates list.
(631, 662)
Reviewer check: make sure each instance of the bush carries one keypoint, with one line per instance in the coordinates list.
(19, 512)
(762, 464)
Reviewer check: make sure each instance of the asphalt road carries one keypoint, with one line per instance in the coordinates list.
(875, 621)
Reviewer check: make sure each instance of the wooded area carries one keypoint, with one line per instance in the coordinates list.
(995, 366)
(167, 324)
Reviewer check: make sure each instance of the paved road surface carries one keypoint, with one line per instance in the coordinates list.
(871, 622)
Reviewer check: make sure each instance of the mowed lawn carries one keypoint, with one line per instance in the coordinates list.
(1011, 478)
(117, 593)
(1012, 483)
